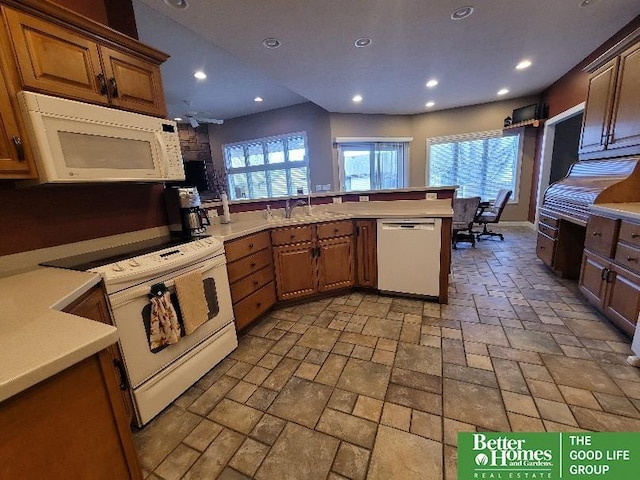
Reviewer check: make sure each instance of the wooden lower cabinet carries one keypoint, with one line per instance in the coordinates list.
(296, 272)
(335, 263)
(593, 274)
(366, 254)
(251, 307)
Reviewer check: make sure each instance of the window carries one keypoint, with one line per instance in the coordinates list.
(481, 163)
(372, 165)
(268, 167)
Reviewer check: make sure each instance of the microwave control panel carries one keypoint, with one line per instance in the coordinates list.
(171, 141)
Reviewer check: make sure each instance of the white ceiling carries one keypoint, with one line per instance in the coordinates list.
(413, 41)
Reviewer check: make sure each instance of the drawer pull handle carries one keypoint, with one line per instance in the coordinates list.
(631, 259)
(604, 273)
(256, 283)
(253, 265)
(293, 235)
(336, 230)
(251, 245)
(596, 234)
(635, 235)
(542, 247)
(258, 305)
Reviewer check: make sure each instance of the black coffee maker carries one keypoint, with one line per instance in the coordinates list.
(186, 218)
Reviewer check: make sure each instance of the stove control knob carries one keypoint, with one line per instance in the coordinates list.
(134, 263)
(117, 267)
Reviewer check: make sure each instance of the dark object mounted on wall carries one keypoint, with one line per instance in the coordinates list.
(530, 112)
(507, 122)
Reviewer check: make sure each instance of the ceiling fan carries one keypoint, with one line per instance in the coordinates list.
(196, 118)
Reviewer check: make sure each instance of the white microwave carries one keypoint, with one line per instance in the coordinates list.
(78, 142)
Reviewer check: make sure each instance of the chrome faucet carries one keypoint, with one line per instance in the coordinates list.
(290, 205)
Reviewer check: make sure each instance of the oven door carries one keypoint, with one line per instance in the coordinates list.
(131, 306)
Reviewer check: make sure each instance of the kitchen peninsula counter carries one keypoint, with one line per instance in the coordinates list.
(37, 339)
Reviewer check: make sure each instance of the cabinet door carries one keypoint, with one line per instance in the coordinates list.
(625, 120)
(133, 84)
(597, 115)
(14, 162)
(296, 274)
(593, 273)
(94, 306)
(335, 263)
(622, 299)
(366, 254)
(53, 59)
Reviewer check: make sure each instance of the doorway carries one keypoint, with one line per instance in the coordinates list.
(559, 149)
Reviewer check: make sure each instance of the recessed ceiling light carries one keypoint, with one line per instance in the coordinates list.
(462, 12)
(362, 42)
(178, 119)
(586, 3)
(432, 83)
(523, 64)
(503, 91)
(357, 98)
(181, 4)
(200, 75)
(271, 43)
(257, 99)
(429, 104)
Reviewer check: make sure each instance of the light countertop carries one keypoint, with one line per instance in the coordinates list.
(252, 222)
(625, 211)
(37, 339)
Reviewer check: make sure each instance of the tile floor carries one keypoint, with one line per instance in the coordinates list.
(365, 386)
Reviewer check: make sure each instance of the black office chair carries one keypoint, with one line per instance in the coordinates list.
(491, 213)
(464, 212)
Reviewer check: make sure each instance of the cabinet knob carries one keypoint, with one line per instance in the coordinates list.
(253, 265)
(542, 247)
(102, 84)
(596, 234)
(635, 235)
(250, 245)
(631, 259)
(114, 87)
(17, 141)
(258, 305)
(293, 235)
(255, 283)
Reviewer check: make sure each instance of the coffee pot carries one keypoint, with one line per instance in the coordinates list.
(186, 218)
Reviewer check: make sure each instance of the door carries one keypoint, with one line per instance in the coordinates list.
(625, 120)
(622, 299)
(296, 274)
(335, 263)
(595, 124)
(366, 260)
(53, 59)
(133, 84)
(593, 273)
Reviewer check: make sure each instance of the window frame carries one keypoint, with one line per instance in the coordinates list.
(484, 135)
(286, 165)
(372, 141)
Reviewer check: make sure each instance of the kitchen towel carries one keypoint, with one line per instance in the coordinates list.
(164, 327)
(193, 302)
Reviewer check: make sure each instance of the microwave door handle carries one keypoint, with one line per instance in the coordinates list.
(162, 164)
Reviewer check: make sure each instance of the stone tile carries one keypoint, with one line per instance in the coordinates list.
(418, 399)
(509, 376)
(215, 373)
(408, 378)
(481, 333)
(268, 429)
(177, 463)
(513, 354)
(431, 341)
(235, 415)
(522, 423)
(474, 404)
(348, 428)
(396, 416)
(366, 378)
(604, 422)
(410, 333)
(597, 330)
(342, 400)
(239, 370)
(533, 341)
(383, 356)
(536, 372)
(231, 474)
(452, 333)
(453, 352)
(369, 408)
(471, 375)
(450, 463)
(419, 358)
(201, 436)
(163, 434)
(579, 373)
(307, 371)
(476, 348)
(261, 398)
(386, 344)
(316, 357)
(452, 428)
(382, 327)
(242, 391)
(331, 370)
(298, 352)
(371, 309)
(319, 338)
(351, 461)
(517, 403)
(426, 425)
(454, 312)
(359, 339)
(479, 361)
(301, 401)
(579, 397)
(210, 398)
(617, 405)
(631, 389)
(398, 454)
(249, 456)
(257, 375)
(342, 348)
(555, 411)
(216, 456)
(363, 353)
(270, 361)
(307, 453)
(281, 374)
(252, 349)
(285, 344)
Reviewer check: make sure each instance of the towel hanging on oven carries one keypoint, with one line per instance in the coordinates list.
(192, 300)
(164, 328)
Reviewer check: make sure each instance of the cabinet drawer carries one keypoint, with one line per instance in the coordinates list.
(547, 230)
(244, 246)
(335, 229)
(247, 310)
(628, 256)
(545, 248)
(548, 219)
(630, 233)
(248, 265)
(601, 235)
(248, 285)
(282, 236)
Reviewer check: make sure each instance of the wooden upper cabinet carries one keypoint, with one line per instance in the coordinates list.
(625, 120)
(597, 115)
(132, 83)
(56, 60)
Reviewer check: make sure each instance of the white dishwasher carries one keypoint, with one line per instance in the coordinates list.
(409, 255)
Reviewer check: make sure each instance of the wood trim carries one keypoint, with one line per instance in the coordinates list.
(445, 260)
(613, 51)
